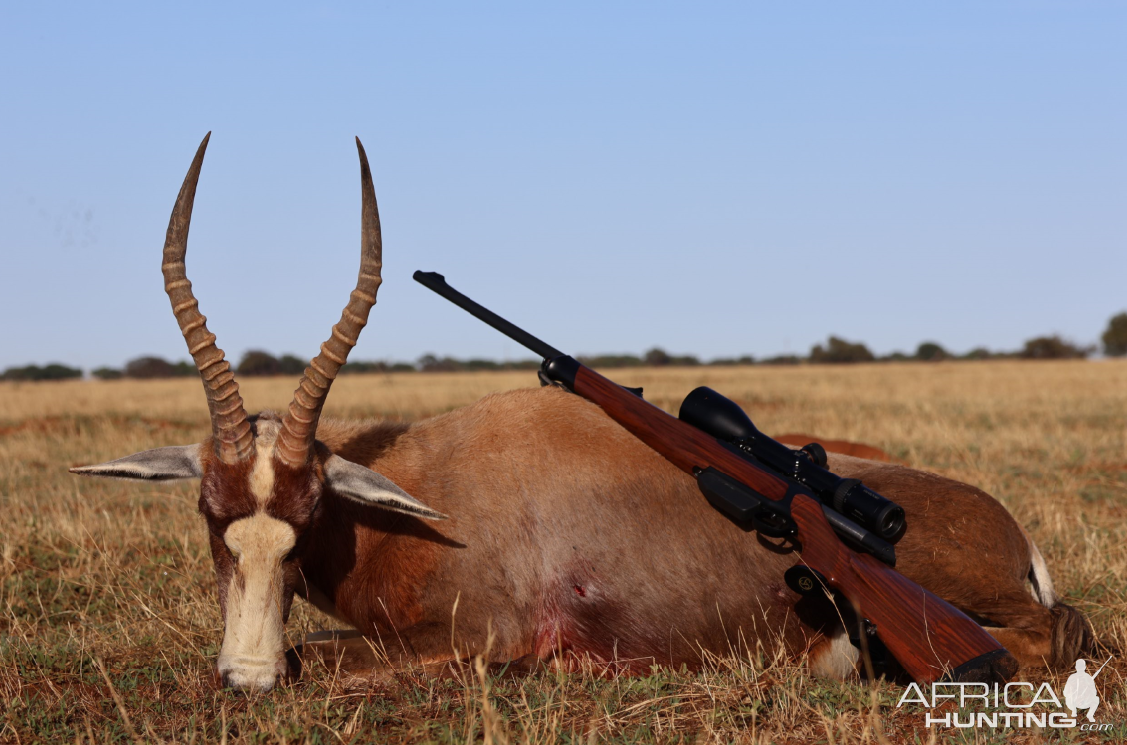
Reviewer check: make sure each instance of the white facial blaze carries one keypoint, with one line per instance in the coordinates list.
(253, 653)
(262, 477)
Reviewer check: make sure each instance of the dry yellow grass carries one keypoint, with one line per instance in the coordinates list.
(108, 625)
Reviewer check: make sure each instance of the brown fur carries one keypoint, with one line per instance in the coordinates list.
(569, 535)
(1071, 637)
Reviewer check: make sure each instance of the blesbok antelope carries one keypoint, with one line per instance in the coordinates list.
(566, 537)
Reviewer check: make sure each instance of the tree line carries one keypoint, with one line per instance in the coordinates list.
(834, 351)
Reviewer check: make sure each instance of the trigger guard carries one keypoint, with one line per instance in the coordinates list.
(774, 527)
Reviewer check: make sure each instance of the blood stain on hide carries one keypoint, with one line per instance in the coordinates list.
(580, 590)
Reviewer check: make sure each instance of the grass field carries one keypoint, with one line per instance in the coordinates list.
(109, 625)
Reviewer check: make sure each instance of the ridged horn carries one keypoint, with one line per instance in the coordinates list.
(299, 425)
(233, 439)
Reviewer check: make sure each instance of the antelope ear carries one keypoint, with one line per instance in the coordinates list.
(161, 464)
(362, 484)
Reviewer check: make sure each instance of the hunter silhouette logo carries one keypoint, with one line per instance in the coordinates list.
(1080, 690)
(1003, 707)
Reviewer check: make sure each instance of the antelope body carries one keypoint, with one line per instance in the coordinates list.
(566, 538)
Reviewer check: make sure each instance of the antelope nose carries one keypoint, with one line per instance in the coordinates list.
(248, 681)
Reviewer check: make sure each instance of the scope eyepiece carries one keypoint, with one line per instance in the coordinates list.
(858, 502)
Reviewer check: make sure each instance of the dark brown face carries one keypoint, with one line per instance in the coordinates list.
(258, 513)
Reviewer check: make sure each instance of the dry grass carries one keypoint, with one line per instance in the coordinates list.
(109, 627)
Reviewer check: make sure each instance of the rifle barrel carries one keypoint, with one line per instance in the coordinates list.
(436, 282)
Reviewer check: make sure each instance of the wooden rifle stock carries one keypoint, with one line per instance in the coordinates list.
(929, 637)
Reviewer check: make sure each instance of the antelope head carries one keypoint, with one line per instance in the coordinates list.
(262, 478)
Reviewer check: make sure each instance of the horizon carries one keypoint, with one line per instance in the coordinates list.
(600, 360)
(714, 181)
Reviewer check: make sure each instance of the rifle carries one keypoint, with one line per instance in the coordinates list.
(929, 637)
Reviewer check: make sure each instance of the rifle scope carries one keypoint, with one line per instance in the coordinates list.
(720, 417)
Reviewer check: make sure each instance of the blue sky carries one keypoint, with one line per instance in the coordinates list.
(716, 179)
